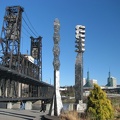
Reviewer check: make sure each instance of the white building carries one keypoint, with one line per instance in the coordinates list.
(113, 82)
(93, 81)
(84, 81)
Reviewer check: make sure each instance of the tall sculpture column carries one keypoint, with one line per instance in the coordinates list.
(80, 45)
(56, 105)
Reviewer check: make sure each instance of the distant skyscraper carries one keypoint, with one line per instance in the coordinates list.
(114, 82)
(88, 83)
(111, 81)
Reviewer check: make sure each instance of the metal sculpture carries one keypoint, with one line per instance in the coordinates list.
(80, 39)
(56, 105)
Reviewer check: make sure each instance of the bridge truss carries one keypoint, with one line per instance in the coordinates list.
(19, 76)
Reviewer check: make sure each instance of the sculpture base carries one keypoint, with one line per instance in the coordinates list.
(81, 107)
(56, 106)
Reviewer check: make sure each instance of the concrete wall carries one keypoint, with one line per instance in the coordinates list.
(27, 106)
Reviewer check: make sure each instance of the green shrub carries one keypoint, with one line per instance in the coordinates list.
(99, 107)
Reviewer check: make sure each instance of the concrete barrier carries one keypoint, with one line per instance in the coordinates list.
(28, 105)
(71, 107)
(36, 105)
(16, 105)
(48, 107)
(9, 105)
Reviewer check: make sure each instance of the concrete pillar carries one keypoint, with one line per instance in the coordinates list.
(71, 107)
(81, 107)
(19, 89)
(56, 106)
(16, 105)
(28, 105)
(48, 107)
(9, 105)
(0, 92)
(36, 105)
(6, 92)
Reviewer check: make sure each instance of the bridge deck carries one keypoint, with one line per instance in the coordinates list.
(12, 87)
(24, 99)
(6, 72)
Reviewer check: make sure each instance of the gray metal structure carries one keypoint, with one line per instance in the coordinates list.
(80, 38)
(10, 37)
(36, 53)
(19, 77)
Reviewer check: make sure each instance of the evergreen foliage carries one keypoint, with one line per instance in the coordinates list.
(99, 107)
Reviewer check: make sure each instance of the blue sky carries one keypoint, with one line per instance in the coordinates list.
(102, 21)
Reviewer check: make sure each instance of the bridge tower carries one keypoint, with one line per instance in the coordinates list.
(10, 37)
(36, 53)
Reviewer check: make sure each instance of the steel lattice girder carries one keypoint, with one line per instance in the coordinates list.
(10, 36)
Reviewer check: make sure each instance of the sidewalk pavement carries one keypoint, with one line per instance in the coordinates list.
(17, 114)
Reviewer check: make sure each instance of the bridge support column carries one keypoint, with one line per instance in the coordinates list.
(0, 92)
(9, 105)
(48, 107)
(16, 105)
(36, 105)
(28, 105)
(19, 89)
(71, 107)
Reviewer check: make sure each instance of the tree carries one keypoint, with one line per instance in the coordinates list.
(99, 107)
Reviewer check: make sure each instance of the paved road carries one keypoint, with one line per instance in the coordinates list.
(16, 114)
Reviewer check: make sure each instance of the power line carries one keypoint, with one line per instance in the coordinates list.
(29, 27)
(30, 22)
(26, 31)
(26, 34)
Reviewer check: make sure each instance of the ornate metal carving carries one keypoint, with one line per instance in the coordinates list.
(56, 49)
(56, 105)
(80, 39)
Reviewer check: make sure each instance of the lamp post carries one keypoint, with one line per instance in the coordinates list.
(56, 105)
(80, 45)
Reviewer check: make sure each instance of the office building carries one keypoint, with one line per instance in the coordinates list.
(111, 81)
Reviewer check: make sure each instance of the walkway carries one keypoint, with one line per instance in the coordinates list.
(16, 114)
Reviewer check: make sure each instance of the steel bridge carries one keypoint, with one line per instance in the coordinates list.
(16, 86)
(20, 74)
